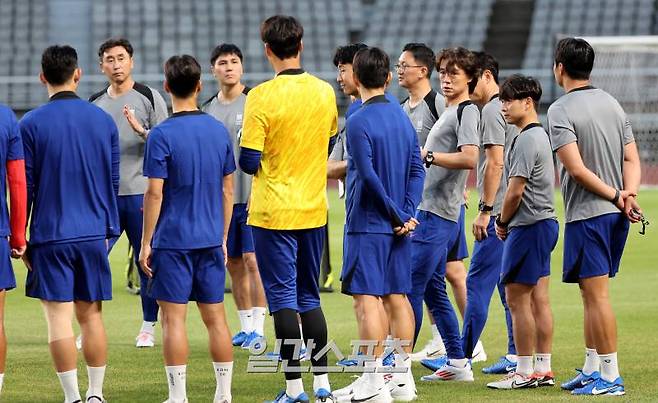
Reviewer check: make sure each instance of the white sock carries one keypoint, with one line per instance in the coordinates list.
(609, 367)
(96, 377)
(592, 362)
(223, 376)
(375, 378)
(246, 321)
(148, 327)
(2, 380)
(69, 382)
(321, 382)
(258, 314)
(459, 362)
(512, 357)
(294, 387)
(524, 365)
(436, 335)
(176, 375)
(542, 363)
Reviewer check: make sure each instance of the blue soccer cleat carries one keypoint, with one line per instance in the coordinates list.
(239, 338)
(282, 397)
(602, 387)
(389, 360)
(581, 380)
(434, 363)
(348, 362)
(322, 395)
(253, 340)
(501, 367)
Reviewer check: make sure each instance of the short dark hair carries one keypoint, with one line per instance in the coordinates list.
(345, 54)
(371, 67)
(518, 86)
(423, 55)
(114, 42)
(487, 62)
(58, 63)
(577, 57)
(462, 58)
(283, 34)
(225, 49)
(182, 74)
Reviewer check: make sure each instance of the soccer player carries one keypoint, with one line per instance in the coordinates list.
(135, 109)
(286, 145)
(12, 222)
(227, 105)
(528, 226)
(451, 150)
(187, 210)
(72, 169)
(600, 177)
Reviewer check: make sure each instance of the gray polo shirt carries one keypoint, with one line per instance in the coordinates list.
(494, 131)
(150, 109)
(421, 116)
(530, 157)
(231, 116)
(595, 120)
(443, 193)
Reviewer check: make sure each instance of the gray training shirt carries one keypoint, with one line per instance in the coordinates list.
(494, 131)
(150, 109)
(530, 157)
(443, 193)
(422, 118)
(595, 120)
(231, 116)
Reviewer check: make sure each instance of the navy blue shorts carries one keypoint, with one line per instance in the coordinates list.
(459, 249)
(527, 252)
(72, 271)
(183, 275)
(240, 236)
(593, 247)
(7, 278)
(376, 264)
(289, 266)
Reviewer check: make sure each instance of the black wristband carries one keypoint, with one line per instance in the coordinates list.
(500, 223)
(616, 198)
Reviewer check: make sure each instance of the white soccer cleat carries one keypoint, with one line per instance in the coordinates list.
(78, 342)
(347, 390)
(449, 372)
(514, 380)
(433, 349)
(145, 339)
(479, 355)
(222, 399)
(402, 387)
(365, 391)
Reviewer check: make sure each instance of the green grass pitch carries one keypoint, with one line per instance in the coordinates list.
(138, 375)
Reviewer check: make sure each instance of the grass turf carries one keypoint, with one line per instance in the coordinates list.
(138, 376)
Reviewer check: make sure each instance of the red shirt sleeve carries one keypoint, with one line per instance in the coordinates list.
(18, 202)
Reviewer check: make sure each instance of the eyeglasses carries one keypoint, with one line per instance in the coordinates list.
(402, 67)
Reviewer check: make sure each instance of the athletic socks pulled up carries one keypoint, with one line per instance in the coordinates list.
(69, 382)
(258, 314)
(609, 367)
(592, 362)
(542, 363)
(176, 375)
(246, 320)
(96, 378)
(223, 376)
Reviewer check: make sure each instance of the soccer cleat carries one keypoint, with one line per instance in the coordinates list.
(145, 339)
(479, 355)
(433, 349)
(389, 360)
(349, 389)
(322, 395)
(435, 363)
(253, 340)
(239, 338)
(367, 392)
(348, 362)
(169, 401)
(78, 342)
(282, 397)
(502, 366)
(222, 399)
(402, 387)
(514, 380)
(449, 372)
(580, 381)
(95, 399)
(304, 354)
(601, 387)
(545, 379)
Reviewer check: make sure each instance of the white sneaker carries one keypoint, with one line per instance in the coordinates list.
(349, 389)
(222, 399)
(433, 349)
(402, 387)
(78, 342)
(368, 392)
(449, 372)
(145, 339)
(171, 401)
(479, 355)
(514, 380)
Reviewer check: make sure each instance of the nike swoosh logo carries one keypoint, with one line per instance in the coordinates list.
(596, 391)
(365, 399)
(516, 385)
(510, 368)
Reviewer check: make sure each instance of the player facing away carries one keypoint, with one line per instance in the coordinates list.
(135, 109)
(528, 226)
(72, 169)
(12, 220)
(451, 150)
(386, 176)
(286, 145)
(496, 136)
(600, 179)
(227, 106)
(187, 210)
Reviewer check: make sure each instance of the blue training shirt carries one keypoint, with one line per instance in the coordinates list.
(385, 168)
(72, 170)
(11, 148)
(192, 152)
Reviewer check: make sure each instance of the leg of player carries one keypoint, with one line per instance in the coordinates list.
(507, 362)
(541, 310)
(3, 338)
(94, 346)
(256, 296)
(401, 318)
(175, 349)
(434, 347)
(240, 288)
(456, 276)
(219, 338)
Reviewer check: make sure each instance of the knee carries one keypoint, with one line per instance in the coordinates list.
(250, 262)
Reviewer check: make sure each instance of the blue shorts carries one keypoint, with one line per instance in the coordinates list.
(527, 252)
(289, 266)
(459, 249)
(376, 264)
(240, 237)
(71, 271)
(7, 278)
(593, 247)
(183, 275)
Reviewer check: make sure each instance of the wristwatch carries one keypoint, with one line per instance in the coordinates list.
(484, 208)
(500, 223)
(429, 158)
